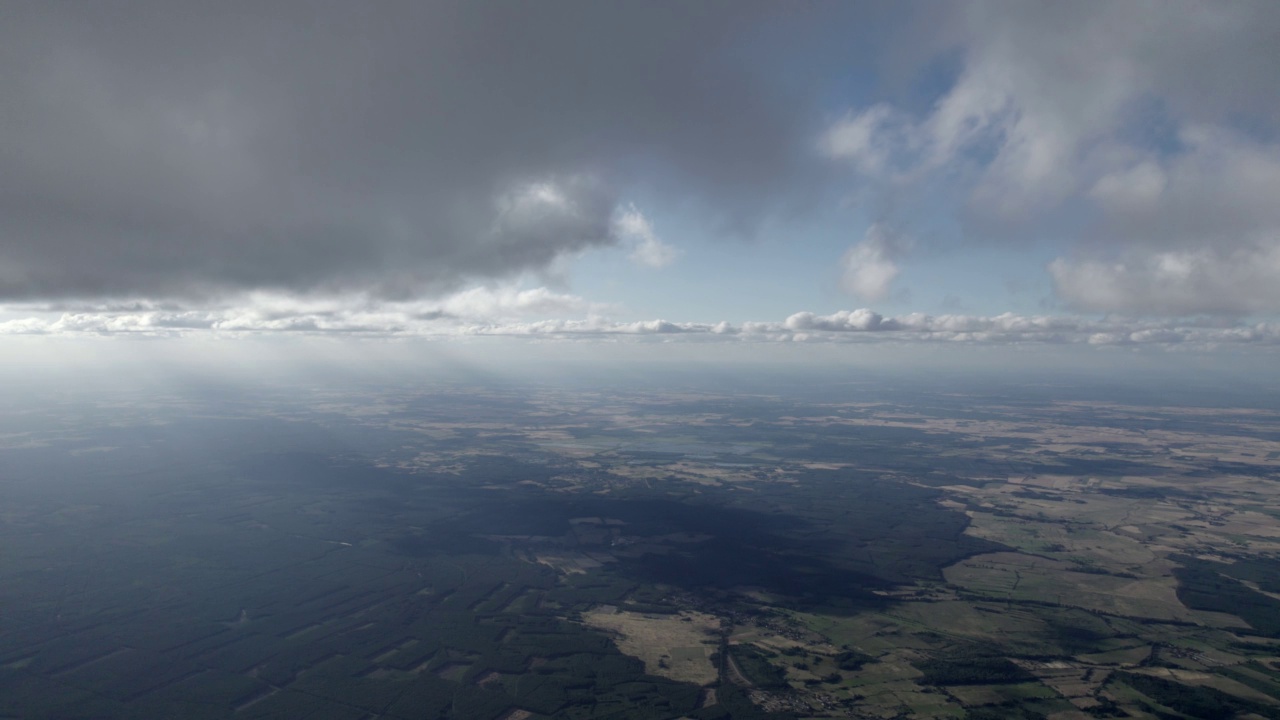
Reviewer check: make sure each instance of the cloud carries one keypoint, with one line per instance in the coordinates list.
(867, 270)
(594, 326)
(24, 326)
(485, 302)
(1154, 121)
(843, 321)
(399, 149)
(647, 248)
(1239, 282)
(869, 139)
(1201, 231)
(185, 156)
(480, 312)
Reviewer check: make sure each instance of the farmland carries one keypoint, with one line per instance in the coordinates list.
(461, 552)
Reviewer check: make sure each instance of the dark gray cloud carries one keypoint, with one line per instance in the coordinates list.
(183, 149)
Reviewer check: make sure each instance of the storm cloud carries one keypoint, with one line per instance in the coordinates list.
(160, 149)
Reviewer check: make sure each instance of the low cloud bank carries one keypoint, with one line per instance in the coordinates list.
(484, 312)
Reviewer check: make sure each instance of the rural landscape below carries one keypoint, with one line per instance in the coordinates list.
(452, 551)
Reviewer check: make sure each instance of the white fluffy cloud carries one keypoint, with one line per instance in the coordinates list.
(867, 270)
(647, 249)
(1236, 282)
(843, 321)
(1201, 232)
(869, 139)
(497, 313)
(1155, 119)
(509, 302)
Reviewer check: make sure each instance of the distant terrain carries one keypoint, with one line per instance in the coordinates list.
(457, 551)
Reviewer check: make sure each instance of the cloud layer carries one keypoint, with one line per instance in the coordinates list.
(399, 148)
(397, 152)
(540, 313)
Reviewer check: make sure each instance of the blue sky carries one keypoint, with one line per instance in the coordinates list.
(1000, 173)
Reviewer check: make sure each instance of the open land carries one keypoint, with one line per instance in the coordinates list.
(678, 646)
(457, 552)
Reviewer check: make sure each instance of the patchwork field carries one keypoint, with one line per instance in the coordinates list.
(677, 646)
(646, 555)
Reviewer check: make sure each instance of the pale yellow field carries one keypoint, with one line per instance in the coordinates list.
(674, 646)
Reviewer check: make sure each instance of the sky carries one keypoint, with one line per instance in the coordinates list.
(722, 174)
